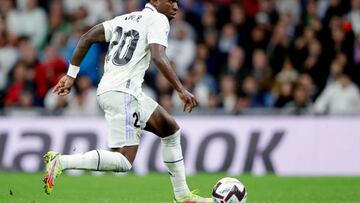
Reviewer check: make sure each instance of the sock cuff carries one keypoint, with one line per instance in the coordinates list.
(99, 159)
(172, 138)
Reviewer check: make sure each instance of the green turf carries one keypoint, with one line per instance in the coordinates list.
(155, 188)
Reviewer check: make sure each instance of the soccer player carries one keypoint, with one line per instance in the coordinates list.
(134, 39)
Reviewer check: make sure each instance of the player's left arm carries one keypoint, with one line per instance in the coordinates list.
(95, 35)
(158, 56)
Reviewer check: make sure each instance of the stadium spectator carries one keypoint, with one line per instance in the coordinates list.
(228, 38)
(84, 100)
(227, 97)
(336, 69)
(53, 66)
(243, 104)
(131, 6)
(339, 98)
(289, 7)
(58, 22)
(30, 21)
(165, 101)
(301, 46)
(36, 70)
(96, 10)
(242, 23)
(258, 98)
(283, 94)
(267, 14)
(309, 42)
(261, 70)
(214, 57)
(204, 84)
(182, 47)
(315, 65)
(90, 67)
(322, 6)
(279, 46)
(311, 13)
(354, 16)
(301, 103)
(55, 105)
(8, 55)
(6, 7)
(356, 59)
(336, 8)
(163, 86)
(306, 81)
(235, 65)
(287, 74)
(21, 82)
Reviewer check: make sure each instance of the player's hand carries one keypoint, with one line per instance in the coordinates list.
(188, 99)
(64, 85)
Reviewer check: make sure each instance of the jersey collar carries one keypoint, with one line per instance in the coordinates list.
(149, 6)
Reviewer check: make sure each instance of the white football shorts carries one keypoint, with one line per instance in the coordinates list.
(126, 116)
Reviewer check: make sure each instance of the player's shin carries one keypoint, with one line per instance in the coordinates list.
(99, 160)
(173, 159)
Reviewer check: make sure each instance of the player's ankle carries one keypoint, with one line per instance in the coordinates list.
(180, 192)
(182, 196)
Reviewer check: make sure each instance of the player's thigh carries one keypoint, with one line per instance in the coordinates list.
(161, 123)
(120, 113)
(154, 118)
(128, 151)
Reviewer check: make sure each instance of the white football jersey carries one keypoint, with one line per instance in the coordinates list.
(129, 55)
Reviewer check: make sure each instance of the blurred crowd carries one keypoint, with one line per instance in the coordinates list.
(236, 56)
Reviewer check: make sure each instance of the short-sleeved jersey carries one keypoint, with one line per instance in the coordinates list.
(129, 55)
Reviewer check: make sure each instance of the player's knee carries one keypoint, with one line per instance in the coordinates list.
(91, 156)
(170, 129)
(174, 127)
(126, 168)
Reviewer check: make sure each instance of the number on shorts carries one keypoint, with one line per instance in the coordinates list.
(136, 116)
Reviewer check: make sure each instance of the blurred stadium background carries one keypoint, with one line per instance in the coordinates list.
(277, 80)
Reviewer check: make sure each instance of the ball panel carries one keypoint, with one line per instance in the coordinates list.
(229, 190)
(215, 193)
(235, 193)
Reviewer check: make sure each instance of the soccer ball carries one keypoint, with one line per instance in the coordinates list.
(229, 190)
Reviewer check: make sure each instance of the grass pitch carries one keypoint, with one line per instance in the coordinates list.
(155, 188)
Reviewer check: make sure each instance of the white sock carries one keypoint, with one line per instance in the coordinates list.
(99, 160)
(174, 161)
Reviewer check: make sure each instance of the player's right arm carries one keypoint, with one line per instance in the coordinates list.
(95, 35)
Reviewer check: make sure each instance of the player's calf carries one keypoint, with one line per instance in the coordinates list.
(97, 160)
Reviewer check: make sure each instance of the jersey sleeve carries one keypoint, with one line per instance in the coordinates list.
(108, 28)
(158, 31)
